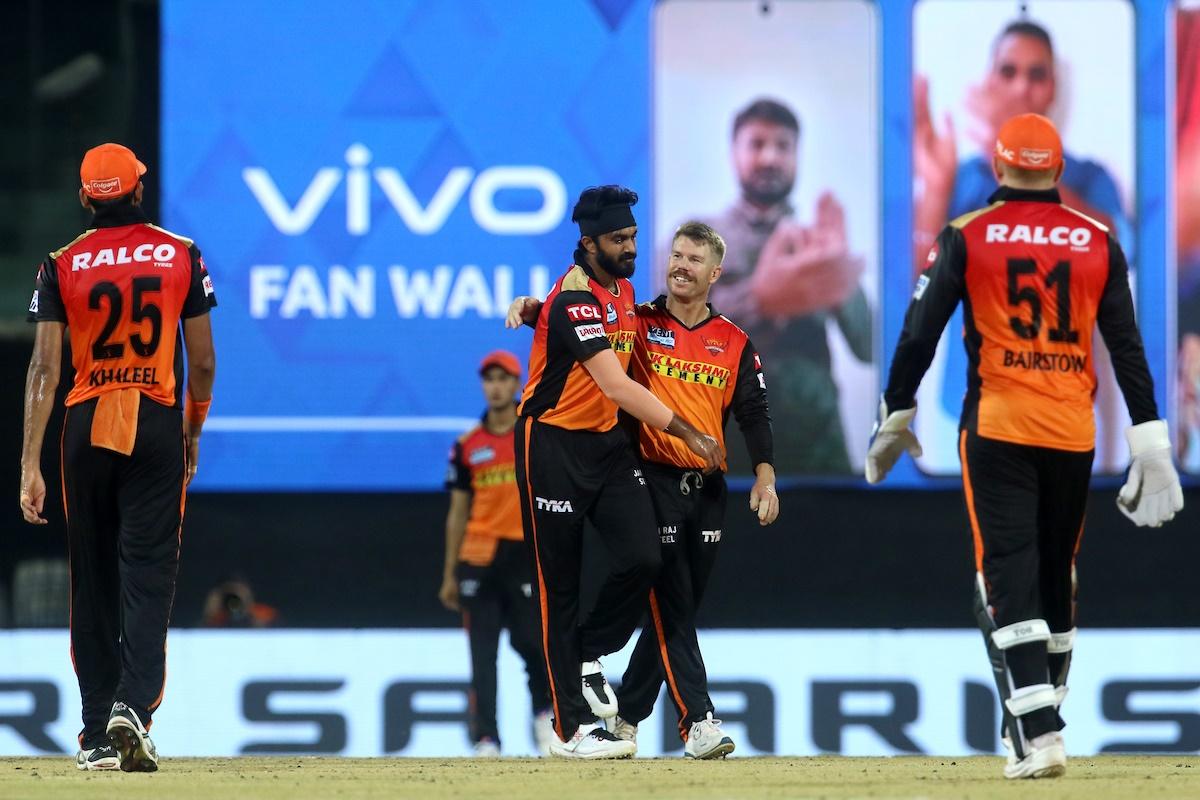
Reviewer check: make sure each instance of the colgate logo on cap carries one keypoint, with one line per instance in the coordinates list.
(1035, 158)
(104, 187)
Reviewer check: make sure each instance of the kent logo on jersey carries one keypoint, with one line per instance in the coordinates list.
(480, 455)
(661, 336)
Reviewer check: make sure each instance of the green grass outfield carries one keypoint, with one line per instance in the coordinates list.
(1097, 778)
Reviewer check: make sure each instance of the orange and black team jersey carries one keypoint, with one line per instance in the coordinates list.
(483, 464)
(122, 288)
(1035, 278)
(580, 317)
(703, 373)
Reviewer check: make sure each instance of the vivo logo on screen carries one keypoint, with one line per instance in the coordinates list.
(295, 218)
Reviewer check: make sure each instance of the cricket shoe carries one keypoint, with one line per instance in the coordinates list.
(597, 692)
(487, 748)
(592, 742)
(543, 732)
(622, 729)
(1045, 758)
(131, 740)
(103, 757)
(706, 740)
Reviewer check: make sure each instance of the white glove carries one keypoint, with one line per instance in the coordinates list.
(1152, 494)
(890, 438)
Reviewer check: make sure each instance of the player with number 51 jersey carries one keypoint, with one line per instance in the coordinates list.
(1035, 278)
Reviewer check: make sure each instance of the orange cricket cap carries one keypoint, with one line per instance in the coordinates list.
(1029, 141)
(110, 170)
(502, 359)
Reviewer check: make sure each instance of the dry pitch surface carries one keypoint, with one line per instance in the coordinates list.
(836, 778)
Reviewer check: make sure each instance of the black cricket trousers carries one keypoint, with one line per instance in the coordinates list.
(500, 595)
(1026, 506)
(124, 518)
(566, 477)
(690, 511)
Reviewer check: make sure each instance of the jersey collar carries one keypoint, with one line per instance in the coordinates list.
(1027, 195)
(117, 216)
(660, 303)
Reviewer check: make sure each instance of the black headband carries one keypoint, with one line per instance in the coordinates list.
(610, 218)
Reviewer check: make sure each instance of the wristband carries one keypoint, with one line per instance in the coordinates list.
(194, 411)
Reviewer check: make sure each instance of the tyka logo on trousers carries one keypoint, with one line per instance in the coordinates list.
(554, 506)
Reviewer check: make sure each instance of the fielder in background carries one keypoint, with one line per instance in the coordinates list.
(695, 359)
(1035, 278)
(486, 573)
(126, 290)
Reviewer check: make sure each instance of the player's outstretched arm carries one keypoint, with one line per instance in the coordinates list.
(937, 293)
(638, 401)
(40, 384)
(201, 372)
(523, 311)
(1151, 494)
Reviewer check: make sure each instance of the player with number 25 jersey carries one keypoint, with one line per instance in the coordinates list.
(132, 295)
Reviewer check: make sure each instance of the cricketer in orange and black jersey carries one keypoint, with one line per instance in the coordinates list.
(703, 372)
(1035, 277)
(493, 573)
(122, 289)
(580, 317)
(482, 463)
(575, 464)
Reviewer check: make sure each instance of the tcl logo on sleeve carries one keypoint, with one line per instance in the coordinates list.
(582, 311)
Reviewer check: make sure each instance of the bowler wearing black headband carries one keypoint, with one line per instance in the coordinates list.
(575, 464)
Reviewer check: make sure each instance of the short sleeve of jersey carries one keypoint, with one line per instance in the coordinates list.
(576, 321)
(47, 304)
(458, 476)
(200, 296)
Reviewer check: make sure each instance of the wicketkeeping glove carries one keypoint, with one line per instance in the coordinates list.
(1152, 494)
(890, 438)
